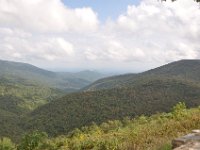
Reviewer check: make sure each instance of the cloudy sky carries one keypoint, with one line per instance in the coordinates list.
(122, 35)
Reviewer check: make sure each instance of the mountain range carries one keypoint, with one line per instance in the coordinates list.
(24, 87)
(187, 70)
(111, 98)
(36, 86)
(65, 81)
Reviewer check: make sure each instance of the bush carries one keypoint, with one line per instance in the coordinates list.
(179, 110)
(6, 144)
(32, 141)
(166, 147)
(108, 144)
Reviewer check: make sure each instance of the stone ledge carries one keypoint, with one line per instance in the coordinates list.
(189, 146)
(188, 142)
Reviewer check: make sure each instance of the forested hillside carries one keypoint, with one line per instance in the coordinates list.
(33, 86)
(147, 93)
(65, 81)
(187, 70)
(153, 133)
(24, 87)
(80, 109)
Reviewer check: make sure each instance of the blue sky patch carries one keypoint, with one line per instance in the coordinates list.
(105, 8)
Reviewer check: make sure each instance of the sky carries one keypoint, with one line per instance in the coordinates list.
(123, 35)
(106, 9)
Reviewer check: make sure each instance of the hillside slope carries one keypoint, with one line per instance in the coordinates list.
(142, 133)
(183, 69)
(147, 93)
(17, 98)
(24, 87)
(33, 86)
(80, 109)
(64, 81)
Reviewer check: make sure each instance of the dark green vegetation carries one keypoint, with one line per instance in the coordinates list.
(26, 95)
(16, 100)
(24, 87)
(153, 91)
(184, 70)
(21, 72)
(111, 98)
(79, 109)
(142, 133)
(32, 86)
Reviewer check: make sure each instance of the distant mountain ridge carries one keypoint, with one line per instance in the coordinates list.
(63, 81)
(6, 67)
(183, 69)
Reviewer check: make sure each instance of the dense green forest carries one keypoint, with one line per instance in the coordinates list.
(132, 95)
(186, 70)
(79, 109)
(33, 86)
(146, 93)
(66, 81)
(29, 94)
(24, 87)
(141, 133)
(19, 98)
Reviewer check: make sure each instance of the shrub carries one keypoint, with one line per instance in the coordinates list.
(6, 144)
(179, 110)
(32, 141)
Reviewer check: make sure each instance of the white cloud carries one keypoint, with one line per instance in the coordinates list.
(146, 35)
(46, 16)
(159, 30)
(35, 48)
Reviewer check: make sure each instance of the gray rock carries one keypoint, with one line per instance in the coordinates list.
(183, 143)
(189, 146)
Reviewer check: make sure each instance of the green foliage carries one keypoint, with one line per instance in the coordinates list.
(186, 71)
(179, 110)
(6, 144)
(33, 87)
(16, 100)
(32, 141)
(153, 133)
(28, 96)
(81, 109)
(107, 144)
(166, 147)
(26, 73)
(130, 95)
(24, 87)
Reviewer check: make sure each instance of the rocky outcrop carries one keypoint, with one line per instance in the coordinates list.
(187, 142)
(189, 146)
